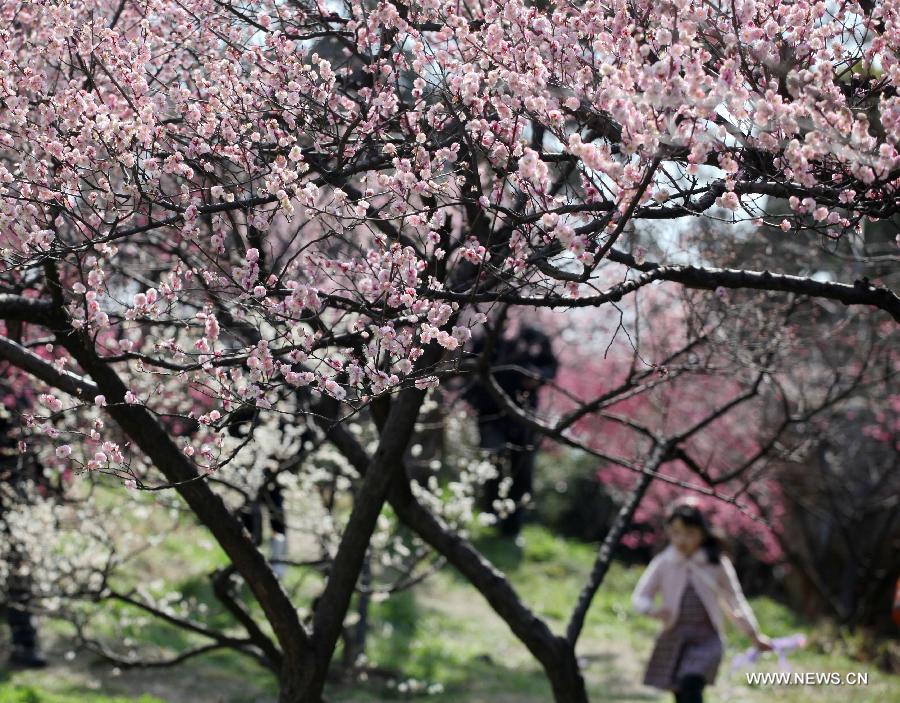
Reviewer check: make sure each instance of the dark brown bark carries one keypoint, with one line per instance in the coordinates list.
(147, 434)
(297, 664)
(143, 429)
(861, 292)
(332, 605)
(555, 655)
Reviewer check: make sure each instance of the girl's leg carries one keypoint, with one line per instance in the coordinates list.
(690, 689)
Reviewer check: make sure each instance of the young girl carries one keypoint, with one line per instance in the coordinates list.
(698, 583)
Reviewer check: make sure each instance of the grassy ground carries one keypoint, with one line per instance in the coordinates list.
(441, 641)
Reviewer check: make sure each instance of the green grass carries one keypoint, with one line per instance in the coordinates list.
(444, 633)
(29, 694)
(441, 636)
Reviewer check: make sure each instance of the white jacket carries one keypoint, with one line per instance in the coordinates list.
(717, 586)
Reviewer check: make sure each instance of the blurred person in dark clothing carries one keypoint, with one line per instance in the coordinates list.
(16, 469)
(520, 366)
(270, 496)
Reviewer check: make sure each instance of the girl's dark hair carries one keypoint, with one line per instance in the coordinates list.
(690, 514)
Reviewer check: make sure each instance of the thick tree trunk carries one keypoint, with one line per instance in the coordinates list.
(554, 654)
(565, 676)
(294, 684)
(332, 606)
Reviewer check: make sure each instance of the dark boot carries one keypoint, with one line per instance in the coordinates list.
(690, 689)
(26, 657)
(25, 652)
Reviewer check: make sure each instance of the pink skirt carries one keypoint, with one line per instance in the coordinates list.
(691, 646)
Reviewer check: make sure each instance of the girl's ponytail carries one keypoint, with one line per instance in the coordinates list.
(712, 545)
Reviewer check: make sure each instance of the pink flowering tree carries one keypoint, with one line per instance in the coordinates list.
(811, 373)
(220, 213)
